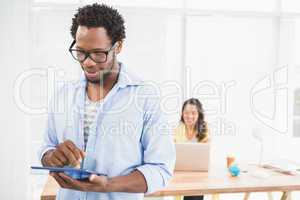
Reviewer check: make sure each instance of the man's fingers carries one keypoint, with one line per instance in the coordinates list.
(73, 183)
(101, 180)
(77, 153)
(94, 178)
(60, 156)
(50, 163)
(83, 154)
(74, 149)
(69, 155)
(66, 178)
(56, 162)
(59, 180)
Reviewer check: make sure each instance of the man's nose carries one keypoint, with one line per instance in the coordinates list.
(88, 62)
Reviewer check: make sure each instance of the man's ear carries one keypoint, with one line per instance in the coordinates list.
(119, 47)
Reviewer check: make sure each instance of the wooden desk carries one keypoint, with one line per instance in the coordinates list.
(216, 181)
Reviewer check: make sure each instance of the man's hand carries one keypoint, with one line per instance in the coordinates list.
(133, 183)
(65, 153)
(94, 184)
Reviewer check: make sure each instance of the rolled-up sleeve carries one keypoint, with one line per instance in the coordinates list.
(159, 151)
(50, 138)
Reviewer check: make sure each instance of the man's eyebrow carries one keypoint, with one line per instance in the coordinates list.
(97, 49)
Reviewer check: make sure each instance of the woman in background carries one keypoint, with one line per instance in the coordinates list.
(192, 128)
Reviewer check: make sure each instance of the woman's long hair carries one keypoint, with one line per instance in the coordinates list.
(200, 125)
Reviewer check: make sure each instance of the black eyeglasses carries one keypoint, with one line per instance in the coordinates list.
(95, 55)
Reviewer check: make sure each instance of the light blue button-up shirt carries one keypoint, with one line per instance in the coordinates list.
(131, 132)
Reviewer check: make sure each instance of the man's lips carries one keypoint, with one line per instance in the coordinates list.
(94, 74)
(91, 74)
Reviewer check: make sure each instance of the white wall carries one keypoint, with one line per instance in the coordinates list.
(14, 142)
(229, 54)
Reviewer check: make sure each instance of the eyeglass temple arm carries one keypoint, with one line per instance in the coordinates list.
(74, 41)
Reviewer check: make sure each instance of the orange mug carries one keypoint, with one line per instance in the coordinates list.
(230, 160)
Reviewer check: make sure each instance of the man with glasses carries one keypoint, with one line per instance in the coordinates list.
(112, 122)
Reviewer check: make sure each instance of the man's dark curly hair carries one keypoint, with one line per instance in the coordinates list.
(100, 15)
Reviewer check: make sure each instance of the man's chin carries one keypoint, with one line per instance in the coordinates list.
(94, 81)
(98, 80)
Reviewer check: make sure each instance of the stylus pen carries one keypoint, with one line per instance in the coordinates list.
(81, 165)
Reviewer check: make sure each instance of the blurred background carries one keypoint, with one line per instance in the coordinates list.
(239, 57)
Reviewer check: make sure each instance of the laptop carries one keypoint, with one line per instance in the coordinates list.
(192, 156)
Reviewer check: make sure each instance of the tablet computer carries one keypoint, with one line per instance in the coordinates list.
(79, 174)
